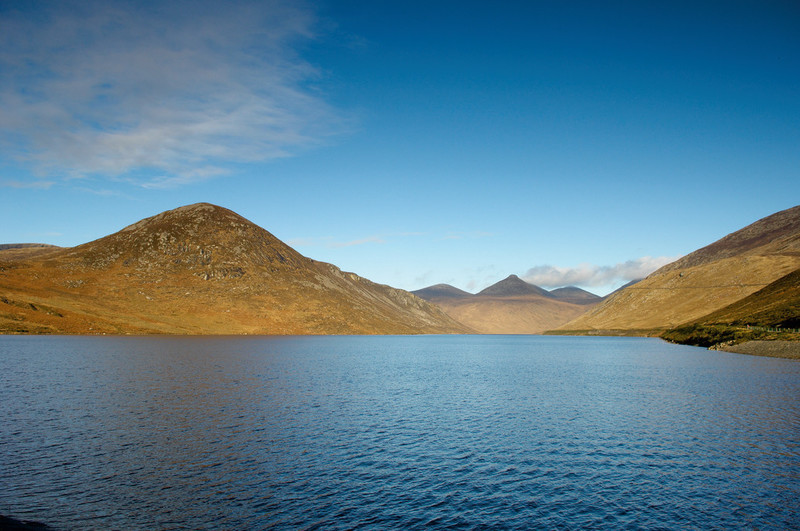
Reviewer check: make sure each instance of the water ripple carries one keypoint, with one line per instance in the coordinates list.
(405, 433)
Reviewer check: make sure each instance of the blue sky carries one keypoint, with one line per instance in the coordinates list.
(414, 143)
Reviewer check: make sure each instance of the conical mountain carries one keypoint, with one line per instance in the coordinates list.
(512, 285)
(704, 281)
(204, 239)
(200, 269)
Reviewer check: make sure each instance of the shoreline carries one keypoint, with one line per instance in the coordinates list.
(774, 348)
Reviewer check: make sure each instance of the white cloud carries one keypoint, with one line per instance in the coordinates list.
(591, 275)
(172, 89)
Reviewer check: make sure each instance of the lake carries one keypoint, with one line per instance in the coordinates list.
(438, 432)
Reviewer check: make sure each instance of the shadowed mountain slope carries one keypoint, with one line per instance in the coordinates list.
(441, 291)
(575, 295)
(704, 281)
(200, 269)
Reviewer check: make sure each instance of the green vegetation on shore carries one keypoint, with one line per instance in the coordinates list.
(772, 313)
(711, 335)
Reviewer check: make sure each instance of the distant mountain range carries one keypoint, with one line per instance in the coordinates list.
(198, 269)
(720, 277)
(511, 306)
(203, 269)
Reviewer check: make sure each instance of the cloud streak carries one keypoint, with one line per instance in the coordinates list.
(158, 94)
(591, 275)
(33, 185)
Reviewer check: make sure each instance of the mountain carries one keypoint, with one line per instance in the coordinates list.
(441, 291)
(777, 305)
(770, 313)
(702, 282)
(575, 295)
(200, 269)
(512, 286)
(511, 306)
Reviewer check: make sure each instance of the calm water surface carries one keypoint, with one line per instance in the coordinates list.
(395, 432)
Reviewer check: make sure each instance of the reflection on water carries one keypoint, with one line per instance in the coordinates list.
(403, 432)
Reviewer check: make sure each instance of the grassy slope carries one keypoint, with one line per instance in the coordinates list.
(200, 270)
(704, 281)
(519, 314)
(756, 317)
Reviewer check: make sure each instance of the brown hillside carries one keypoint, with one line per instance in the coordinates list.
(704, 281)
(777, 305)
(20, 251)
(518, 314)
(511, 306)
(765, 323)
(200, 269)
(775, 234)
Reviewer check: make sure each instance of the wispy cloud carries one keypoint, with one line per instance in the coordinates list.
(35, 185)
(549, 276)
(158, 93)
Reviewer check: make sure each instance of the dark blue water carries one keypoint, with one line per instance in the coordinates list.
(395, 432)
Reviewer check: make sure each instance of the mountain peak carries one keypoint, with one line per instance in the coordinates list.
(210, 240)
(513, 285)
(201, 269)
(441, 291)
(575, 295)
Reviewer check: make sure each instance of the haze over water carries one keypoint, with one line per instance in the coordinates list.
(395, 432)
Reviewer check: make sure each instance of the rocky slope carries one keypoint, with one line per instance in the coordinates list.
(200, 269)
(511, 306)
(702, 282)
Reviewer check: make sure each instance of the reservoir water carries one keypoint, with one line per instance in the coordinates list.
(435, 432)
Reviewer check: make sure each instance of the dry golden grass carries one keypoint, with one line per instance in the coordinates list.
(522, 314)
(704, 281)
(200, 269)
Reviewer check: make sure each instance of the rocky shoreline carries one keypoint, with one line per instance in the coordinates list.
(773, 348)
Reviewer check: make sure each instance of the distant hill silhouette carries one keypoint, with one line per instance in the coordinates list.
(441, 291)
(575, 295)
(511, 306)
